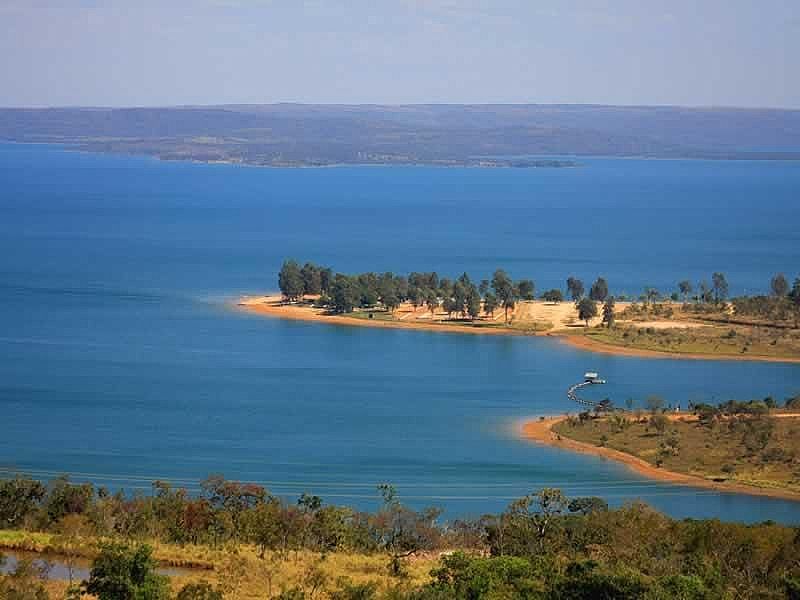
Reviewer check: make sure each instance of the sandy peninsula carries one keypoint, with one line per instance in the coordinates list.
(530, 318)
(541, 431)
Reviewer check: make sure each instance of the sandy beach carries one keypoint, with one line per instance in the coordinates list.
(272, 306)
(541, 431)
(557, 320)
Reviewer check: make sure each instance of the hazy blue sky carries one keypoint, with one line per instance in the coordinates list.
(163, 52)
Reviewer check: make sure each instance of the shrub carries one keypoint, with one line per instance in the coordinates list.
(122, 572)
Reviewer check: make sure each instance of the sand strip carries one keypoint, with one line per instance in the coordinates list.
(272, 306)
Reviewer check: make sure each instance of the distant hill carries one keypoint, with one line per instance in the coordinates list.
(488, 135)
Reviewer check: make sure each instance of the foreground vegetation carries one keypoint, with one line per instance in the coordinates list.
(254, 545)
(749, 443)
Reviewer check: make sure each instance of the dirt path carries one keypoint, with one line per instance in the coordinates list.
(541, 432)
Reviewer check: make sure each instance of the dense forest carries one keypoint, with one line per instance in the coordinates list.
(464, 298)
(543, 545)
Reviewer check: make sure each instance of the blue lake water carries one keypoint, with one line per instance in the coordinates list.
(121, 361)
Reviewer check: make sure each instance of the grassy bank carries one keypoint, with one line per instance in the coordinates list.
(758, 451)
(239, 569)
(738, 341)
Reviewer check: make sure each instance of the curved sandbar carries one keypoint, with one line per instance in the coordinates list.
(541, 431)
(273, 306)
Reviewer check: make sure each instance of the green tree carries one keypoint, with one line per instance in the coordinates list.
(473, 302)
(574, 288)
(587, 505)
(199, 591)
(586, 582)
(388, 293)
(599, 290)
(72, 531)
(19, 497)
(705, 294)
(660, 423)
(651, 295)
(654, 403)
(685, 288)
(504, 290)
(290, 281)
(779, 286)
(345, 294)
(431, 300)
(122, 572)
(608, 312)
(468, 577)
(490, 303)
(720, 285)
(587, 309)
(526, 289)
(553, 296)
(401, 531)
(312, 279)
(325, 280)
(263, 526)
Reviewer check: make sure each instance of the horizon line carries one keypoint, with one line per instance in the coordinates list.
(401, 105)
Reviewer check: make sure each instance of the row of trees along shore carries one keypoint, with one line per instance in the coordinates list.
(465, 298)
(544, 545)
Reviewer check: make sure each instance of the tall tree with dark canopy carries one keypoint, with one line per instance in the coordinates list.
(490, 303)
(779, 286)
(504, 289)
(587, 309)
(290, 281)
(122, 572)
(312, 279)
(599, 290)
(574, 288)
(685, 288)
(720, 285)
(553, 295)
(325, 280)
(526, 289)
(345, 294)
(608, 312)
(473, 302)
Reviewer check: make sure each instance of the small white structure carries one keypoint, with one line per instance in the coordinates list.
(593, 377)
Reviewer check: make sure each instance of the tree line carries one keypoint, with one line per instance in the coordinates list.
(467, 299)
(460, 297)
(544, 545)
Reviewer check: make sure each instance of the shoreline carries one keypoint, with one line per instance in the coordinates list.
(540, 431)
(270, 305)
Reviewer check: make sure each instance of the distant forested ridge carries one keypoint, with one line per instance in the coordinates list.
(447, 135)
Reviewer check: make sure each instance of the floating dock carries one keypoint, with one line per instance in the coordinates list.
(590, 378)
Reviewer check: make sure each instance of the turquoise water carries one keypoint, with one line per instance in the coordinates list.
(121, 362)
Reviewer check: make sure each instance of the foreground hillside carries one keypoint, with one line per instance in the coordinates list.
(240, 541)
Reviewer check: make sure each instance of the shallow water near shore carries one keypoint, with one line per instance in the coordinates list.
(122, 361)
(58, 568)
